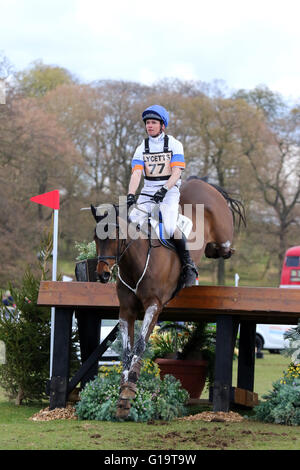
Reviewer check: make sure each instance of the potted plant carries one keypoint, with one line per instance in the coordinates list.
(186, 351)
(86, 262)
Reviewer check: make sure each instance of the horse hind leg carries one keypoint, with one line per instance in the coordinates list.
(226, 250)
(211, 250)
(219, 250)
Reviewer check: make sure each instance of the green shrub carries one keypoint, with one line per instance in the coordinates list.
(25, 334)
(25, 331)
(293, 349)
(86, 250)
(155, 398)
(282, 405)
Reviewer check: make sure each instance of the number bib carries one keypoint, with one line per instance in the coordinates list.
(157, 165)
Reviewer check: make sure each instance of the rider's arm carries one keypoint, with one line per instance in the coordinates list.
(134, 181)
(177, 162)
(176, 174)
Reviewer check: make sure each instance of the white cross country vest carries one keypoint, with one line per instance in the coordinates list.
(157, 165)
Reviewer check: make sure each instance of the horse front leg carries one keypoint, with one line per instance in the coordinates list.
(130, 376)
(127, 334)
(150, 319)
(126, 322)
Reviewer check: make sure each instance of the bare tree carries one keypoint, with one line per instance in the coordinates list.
(277, 171)
(274, 157)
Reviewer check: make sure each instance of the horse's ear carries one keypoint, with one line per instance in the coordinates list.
(94, 212)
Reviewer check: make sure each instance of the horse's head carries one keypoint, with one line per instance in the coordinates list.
(107, 242)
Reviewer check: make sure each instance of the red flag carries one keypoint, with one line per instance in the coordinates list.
(50, 199)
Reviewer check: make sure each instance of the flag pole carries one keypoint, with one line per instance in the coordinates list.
(54, 277)
(51, 199)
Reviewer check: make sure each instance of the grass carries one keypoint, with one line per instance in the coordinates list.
(18, 432)
(267, 370)
(66, 267)
(177, 435)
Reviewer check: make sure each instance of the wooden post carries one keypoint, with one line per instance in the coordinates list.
(93, 359)
(246, 361)
(226, 335)
(89, 336)
(226, 305)
(61, 357)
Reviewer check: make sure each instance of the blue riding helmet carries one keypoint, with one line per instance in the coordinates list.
(156, 112)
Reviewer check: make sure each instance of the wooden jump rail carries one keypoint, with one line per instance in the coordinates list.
(229, 307)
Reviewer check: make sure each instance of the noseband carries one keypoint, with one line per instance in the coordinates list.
(103, 259)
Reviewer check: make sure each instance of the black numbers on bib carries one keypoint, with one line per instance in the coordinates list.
(161, 167)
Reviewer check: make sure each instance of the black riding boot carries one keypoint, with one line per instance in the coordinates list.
(189, 270)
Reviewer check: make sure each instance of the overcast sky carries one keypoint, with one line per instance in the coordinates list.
(243, 42)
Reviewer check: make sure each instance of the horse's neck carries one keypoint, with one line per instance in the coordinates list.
(135, 256)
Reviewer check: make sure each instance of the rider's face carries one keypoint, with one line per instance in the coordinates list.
(153, 127)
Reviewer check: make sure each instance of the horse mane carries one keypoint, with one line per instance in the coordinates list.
(235, 205)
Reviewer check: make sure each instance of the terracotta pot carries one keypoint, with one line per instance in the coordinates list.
(192, 374)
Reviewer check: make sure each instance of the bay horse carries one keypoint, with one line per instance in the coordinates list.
(149, 273)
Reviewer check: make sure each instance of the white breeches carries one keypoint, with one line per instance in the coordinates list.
(168, 208)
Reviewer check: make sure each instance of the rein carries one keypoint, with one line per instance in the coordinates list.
(134, 290)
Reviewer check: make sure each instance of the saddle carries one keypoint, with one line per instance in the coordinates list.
(184, 224)
(148, 225)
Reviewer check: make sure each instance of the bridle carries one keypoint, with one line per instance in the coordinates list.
(119, 254)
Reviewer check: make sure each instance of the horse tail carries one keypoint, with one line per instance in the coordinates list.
(236, 206)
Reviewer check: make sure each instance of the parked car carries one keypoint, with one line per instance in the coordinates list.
(271, 337)
(106, 327)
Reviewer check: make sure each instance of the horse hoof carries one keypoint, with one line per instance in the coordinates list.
(123, 408)
(122, 413)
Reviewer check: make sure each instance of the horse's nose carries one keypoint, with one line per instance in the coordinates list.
(104, 277)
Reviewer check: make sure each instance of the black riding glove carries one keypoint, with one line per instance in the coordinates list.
(130, 200)
(160, 194)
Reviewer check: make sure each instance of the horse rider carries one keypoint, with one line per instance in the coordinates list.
(160, 158)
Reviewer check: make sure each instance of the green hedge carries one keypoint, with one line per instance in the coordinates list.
(155, 398)
(282, 404)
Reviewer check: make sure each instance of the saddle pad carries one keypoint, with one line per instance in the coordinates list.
(184, 224)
